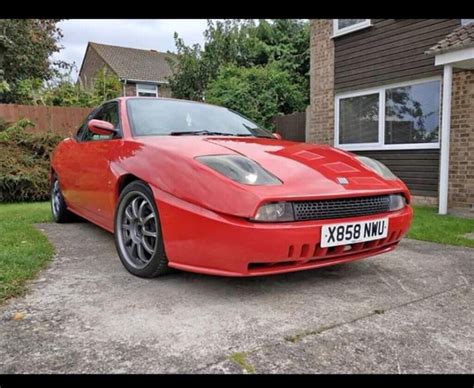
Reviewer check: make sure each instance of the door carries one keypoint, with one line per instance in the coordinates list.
(94, 183)
(70, 165)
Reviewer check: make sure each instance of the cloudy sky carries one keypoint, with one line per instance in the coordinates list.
(146, 34)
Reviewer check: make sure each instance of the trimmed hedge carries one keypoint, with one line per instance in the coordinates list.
(24, 162)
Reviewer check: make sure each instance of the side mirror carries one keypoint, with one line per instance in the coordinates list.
(100, 127)
(277, 136)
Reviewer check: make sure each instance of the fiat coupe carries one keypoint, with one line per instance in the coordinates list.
(201, 188)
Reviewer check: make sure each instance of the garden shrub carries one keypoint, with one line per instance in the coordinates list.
(24, 162)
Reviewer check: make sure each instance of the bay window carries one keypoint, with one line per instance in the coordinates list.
(393, 117)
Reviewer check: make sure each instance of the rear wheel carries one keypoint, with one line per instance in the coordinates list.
(138, 236)
(58, 205)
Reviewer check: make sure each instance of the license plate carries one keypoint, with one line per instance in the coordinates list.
(353, 232)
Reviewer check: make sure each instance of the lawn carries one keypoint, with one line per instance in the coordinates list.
(429, 226)
(24, 250)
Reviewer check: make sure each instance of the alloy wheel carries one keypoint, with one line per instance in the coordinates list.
(138, 229)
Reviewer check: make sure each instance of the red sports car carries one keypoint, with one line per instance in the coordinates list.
(201, 188)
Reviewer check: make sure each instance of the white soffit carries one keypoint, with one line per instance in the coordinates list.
(463, 58)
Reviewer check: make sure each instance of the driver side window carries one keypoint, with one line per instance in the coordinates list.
(108, 112)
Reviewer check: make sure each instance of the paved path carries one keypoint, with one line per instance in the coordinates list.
(407, 311)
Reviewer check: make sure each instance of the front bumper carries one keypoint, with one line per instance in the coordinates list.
(199, 240)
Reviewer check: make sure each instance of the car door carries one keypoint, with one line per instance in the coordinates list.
(94, 184)
(69, 165)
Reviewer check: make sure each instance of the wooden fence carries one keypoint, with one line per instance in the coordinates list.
(292, 126)
(62, 120)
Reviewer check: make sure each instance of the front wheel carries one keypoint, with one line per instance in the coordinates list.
(138, 236)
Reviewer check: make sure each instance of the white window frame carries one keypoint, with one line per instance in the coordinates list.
(380, 145)
(347, 30)
(137, 87)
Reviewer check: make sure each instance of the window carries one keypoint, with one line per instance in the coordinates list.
(359, 119)
(147, 90)
(108, 112)
(412, 114)
(393, 117)
(344, 26)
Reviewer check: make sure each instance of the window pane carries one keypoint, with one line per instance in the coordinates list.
(343, 23)
(146, 90)
(146, 94)
(412, 114)
(146, 87)
(359, 119)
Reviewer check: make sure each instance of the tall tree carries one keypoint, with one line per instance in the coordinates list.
(28, 46)
(259, 92)
(243, 43)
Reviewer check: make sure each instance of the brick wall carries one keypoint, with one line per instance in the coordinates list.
(130, 90)
(461, 159)
(92, 63)
(320, 123)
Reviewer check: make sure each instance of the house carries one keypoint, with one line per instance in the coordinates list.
(400, 91)
(142, 72)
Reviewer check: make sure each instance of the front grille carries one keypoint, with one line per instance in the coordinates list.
(340, 208)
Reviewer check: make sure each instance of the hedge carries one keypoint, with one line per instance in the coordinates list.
(24, 162)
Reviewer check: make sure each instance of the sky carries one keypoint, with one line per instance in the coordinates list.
(138, 33)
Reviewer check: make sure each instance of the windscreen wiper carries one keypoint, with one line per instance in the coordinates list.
(197, 133)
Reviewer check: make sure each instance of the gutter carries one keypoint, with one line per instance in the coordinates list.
(147, 81)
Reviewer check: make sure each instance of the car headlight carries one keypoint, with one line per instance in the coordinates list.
(378, 167)
(275, 212)
(396, 202)
(239, 169)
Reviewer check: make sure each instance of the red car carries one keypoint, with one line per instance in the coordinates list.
(201, 188)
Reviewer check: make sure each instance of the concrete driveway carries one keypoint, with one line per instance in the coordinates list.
(409, 311)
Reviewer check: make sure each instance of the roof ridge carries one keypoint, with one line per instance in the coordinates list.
(131, 48)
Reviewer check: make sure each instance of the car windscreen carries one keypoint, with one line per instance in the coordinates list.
(149, 117)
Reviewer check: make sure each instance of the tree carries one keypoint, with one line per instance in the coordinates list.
(242, 43)
(106, 87)
(62, 91)
(29, 44)
(258, 92)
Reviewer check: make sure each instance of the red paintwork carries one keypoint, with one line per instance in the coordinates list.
(204, 214)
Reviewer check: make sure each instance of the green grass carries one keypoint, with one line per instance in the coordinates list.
(24, 250)
(240, 358)
(429, 226)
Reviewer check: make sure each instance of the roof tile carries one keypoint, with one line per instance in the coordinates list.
(135, 64)
(461, 37)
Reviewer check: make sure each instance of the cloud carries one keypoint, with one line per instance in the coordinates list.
(138, 33)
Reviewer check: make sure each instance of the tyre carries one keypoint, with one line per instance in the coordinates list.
(137, 229)
(58, 205)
